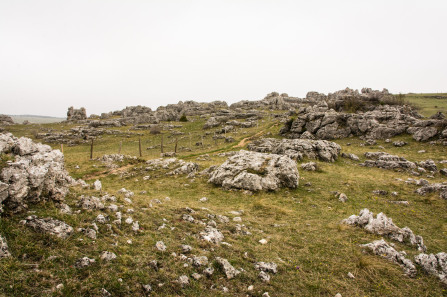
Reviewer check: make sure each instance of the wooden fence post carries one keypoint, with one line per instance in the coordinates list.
(139, 145)
(91, 150)
(162, 143)
(62, 148)
(176, 142)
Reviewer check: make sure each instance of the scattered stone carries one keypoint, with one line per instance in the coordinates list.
(203, 199)
(267, 267)
(97, 185)
(342, 197)
(263, 241)
(4, 252)
(183, 280)
(298, 148)
(350, 275)
(49, 226)
(196, 276)
(387, 161)
(265, 277)
(256, 171)
(147, 288)
(107, 256)
(208, 271)
(311, 166)
(383, 249)
(186, 248)
(200, 261)
(160, 246)
(434, 264)
(228, 269)
(400, 202)
(83, 262)
(382, 225)
(105, 293)
(211, 234)
(400, 143)
(90, 202)
(350, 156)
(90, 233)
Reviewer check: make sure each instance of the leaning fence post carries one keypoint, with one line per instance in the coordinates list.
(91, 150)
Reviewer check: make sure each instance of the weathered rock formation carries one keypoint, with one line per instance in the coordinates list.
(387, 161)
(49, 226)
(383, 249)
(382, 225)
(36, 172)
(256, 171)
(434, 264)
(76, 114)
(298, 148)
(5, 120)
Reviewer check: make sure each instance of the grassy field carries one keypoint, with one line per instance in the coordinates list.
(313, 250)
(429, 104)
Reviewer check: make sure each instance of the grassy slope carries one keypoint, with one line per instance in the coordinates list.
(428, 103)
(305, 238)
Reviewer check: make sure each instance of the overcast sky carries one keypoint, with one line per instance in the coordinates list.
(106, 55)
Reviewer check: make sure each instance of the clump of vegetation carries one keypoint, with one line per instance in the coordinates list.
(183, 118)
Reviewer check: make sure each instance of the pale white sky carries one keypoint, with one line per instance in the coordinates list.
(106, 55)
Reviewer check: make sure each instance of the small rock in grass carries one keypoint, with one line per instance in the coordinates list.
(147, 288)
(263, 241)
(107, 256)
(183, 280)
(160, 246)
(264, 276)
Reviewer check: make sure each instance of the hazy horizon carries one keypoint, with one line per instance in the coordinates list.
(106, 55)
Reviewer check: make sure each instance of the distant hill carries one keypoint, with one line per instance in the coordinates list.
(37, 119)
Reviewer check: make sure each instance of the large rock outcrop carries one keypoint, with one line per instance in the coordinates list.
(36, 172)
(256, 171)
(76, 114)
(298, 148)
(5, 120)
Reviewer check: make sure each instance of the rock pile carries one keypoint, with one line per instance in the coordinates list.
(256, 171)
(387, 161)
(36, 172)
(298, 148)
(382, 225)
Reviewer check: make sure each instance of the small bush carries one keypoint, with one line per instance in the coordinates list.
(183, 118)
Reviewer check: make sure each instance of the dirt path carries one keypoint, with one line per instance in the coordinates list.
(107, 172)
(247, 140)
